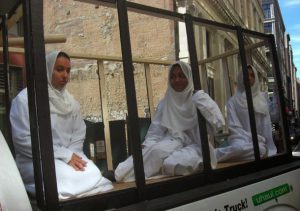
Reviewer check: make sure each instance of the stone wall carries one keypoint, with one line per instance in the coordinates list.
(92, 29)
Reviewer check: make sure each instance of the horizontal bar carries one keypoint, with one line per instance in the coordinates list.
(53, 38)
(231, 52)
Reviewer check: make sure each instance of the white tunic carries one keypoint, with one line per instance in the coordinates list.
(166, 154)
(240, 139)
(12, 191)
(68, 133)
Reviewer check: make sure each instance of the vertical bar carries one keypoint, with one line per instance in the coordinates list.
(7, 127)
(275, 64)
(203, 78)
(38, 103)
(176, 33)
(240, 37)
(131, 98)
(197, 85)
(105, 116)
(227, 77)
(149, 89)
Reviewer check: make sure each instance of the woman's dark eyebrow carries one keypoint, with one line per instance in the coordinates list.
(61, 66)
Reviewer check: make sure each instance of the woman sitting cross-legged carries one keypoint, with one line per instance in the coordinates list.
(76, 175)
(172, 145)
(240, 139)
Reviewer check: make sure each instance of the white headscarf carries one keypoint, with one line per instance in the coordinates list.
(178, 112)
(260, 103)
(61, 101)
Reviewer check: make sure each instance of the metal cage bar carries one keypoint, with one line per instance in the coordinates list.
(7, 132)
(38, 103)
(284, 121)
(241, 43)
(131, 98)
(197, 86)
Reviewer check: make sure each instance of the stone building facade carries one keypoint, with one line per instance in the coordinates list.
(94, 30)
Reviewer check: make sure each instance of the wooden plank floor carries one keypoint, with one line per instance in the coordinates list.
(125, 185)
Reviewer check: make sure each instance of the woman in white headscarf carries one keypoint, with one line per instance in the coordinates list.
(240, 139)
(76, 175)
(172, 145)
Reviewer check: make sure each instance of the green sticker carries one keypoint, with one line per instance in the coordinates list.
(270, 194)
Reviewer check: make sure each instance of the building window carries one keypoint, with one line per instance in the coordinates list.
(268, 28)
(267, 10)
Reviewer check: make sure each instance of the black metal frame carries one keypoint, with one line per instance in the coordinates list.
(7, 133)
(131, 98)
(240, 37)
(38, 104)
(40, 116)
(284, 121)
(197, 85)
